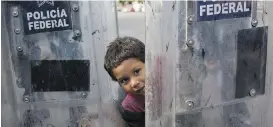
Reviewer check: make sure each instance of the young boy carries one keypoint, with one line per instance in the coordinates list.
(125, 63)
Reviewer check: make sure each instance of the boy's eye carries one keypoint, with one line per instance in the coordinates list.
(137, 71)
(123, 81)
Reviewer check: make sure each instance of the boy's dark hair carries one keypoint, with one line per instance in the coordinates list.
(121, 49)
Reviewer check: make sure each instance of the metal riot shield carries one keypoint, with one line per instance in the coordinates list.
(52, 69)
(209, 63)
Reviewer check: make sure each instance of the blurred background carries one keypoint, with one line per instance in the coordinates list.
(131, 18)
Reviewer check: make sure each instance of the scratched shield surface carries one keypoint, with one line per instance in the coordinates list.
(54, 63)
(208, 63)
(225, 75)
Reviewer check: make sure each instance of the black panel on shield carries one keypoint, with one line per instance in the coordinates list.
(251, 61)
(60, 75)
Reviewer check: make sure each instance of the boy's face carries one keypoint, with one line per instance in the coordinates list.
(130, 74)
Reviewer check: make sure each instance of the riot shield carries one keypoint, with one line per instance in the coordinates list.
(210, 64)
(52, 69)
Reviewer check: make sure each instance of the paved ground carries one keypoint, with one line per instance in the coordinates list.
(132, 24)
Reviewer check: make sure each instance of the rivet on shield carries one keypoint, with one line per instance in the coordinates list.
(190, 43)
(77, 33)
(26, 99)
(85, 122)
(19, 49)
(190, 19)
(75, 7)
(252, 92)
(189, 104)
(254, 22)
(17, 30)
(84, 95)
(15, 13)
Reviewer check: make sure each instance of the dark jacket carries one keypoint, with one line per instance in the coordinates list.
(132, 119)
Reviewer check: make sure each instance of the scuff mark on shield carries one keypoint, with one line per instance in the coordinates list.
(154, 88)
